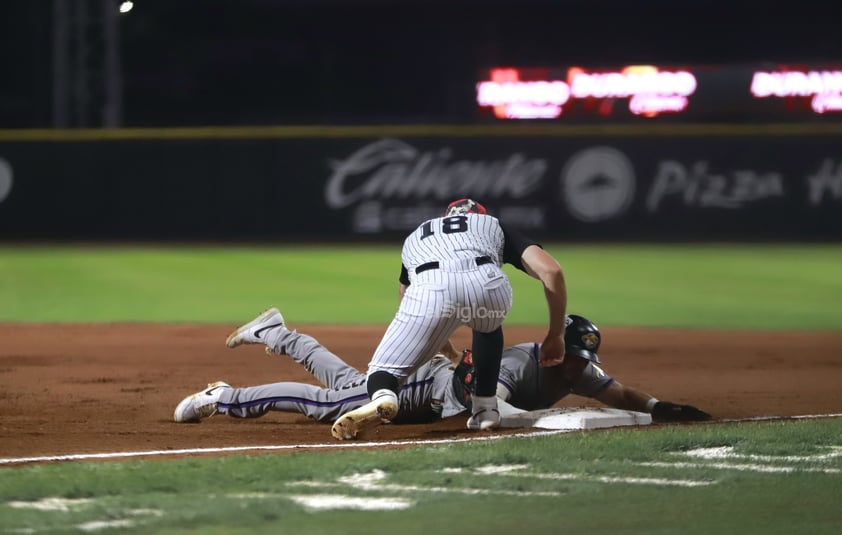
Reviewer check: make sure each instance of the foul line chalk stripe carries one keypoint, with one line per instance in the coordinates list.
(234, 449)
(765, 418)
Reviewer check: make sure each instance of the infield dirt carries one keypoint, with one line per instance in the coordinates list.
(72, 389)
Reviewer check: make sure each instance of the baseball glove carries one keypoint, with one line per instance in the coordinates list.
(465, 379)
(666, 411)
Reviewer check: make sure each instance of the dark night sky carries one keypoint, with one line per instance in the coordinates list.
(226, 62)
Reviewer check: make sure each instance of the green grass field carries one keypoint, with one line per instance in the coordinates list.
(705, 286)
(760, 477)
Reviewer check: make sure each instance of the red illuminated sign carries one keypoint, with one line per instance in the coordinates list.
(650, 90)
(823, 87)
(513, 98)
(528, 94)
(702, 92)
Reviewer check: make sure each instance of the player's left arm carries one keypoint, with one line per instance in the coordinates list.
(528, 256)
(624, 397)
(542, 266)
(589, 380)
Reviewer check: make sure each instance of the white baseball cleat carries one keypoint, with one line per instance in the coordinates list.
(484, 419)
(384, 406)
(199, 405)
(254, 332)
(486, 414)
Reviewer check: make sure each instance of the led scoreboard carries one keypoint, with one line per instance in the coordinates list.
(703, 92)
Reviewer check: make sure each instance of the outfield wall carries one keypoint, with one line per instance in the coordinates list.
(556, 182)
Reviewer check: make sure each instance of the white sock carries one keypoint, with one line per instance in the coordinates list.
(482, 402)
(383, 392)
(273, 339)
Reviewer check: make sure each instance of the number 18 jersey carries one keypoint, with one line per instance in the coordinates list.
(462, 238)
(454, 238)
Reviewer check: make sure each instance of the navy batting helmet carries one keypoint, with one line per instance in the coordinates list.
(465, 206)
(582, 338)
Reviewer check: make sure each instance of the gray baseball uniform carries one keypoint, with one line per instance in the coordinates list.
(533, 387)
(426, 395)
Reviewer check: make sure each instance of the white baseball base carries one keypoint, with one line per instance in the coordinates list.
(574, 418)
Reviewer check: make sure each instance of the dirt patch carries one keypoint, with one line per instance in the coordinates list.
(70, 389)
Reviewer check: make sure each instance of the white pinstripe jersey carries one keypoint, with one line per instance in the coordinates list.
(461, 237)
(454, 237)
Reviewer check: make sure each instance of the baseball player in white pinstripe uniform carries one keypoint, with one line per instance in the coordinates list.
(451, 276)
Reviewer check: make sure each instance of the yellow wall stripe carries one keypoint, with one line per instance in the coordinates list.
(478, 131)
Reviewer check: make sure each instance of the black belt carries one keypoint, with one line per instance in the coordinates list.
(480, 260)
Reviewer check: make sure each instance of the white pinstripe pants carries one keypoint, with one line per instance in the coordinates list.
(435, 304)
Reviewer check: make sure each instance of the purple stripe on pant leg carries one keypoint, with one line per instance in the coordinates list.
(290, 399)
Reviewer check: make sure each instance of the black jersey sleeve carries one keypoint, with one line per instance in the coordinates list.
(404, 278)
(514, 243)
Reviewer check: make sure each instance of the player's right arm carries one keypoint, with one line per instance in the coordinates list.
(403, 282)
(449, 351)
